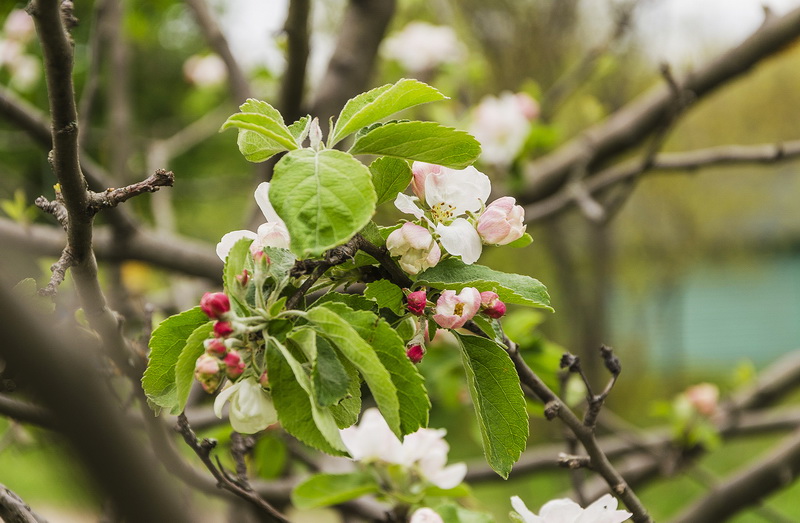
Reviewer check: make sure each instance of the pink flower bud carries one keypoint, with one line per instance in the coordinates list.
(527, 106)
(264, 379)
(454, 310)
(491, 305)
(207, 372)
(421, 170)
(223, 329)
(215, 305)
(704, 397)
(243, 278)
(215, 348)
(502, 222)
(415, 246)
(234, 366)
(416, 302)
(415, 353)
(261, 257)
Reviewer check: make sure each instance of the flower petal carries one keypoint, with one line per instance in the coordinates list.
(262, 199)
(222, 397)
(227, 242)
(448, 477)
(560, 510)
(271, 234)
(407, 205)
(461, 239)
(604, 510)
(522, 510)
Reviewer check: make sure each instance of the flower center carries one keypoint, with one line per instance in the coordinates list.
(458, 310)
(443, 212)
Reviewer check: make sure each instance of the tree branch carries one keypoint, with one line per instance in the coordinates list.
(25, 412)
(679, 162)
(749, 486)
(14, 510)
(363, 27)
(294, 78)
(113, 197)
(240, 88)
(632, 124)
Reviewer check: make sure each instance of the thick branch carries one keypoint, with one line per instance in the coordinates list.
(240, 88)
(776, 471)
(632, 124)
(14, 510)
(665, 162)
(177, 254)
(25, 412)
(294, 78)
(363, 27)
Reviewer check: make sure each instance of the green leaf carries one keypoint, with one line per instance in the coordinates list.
(390, 348)
(363, 357)
(166, 344)
(275, 134)
(512, 288)
(421, 141)
(322, 490)
(498, 401)
(256, 146)
(239, 258)
(389, 176)
(452, 513)
(293, 404)
(184, 369)
(354, 301)
(380, 103)
(387, 295)
(346, 411)
(329, 379)
(299, 129)
(321, 416)
(324, 197)
(281, 262)
(524, 241)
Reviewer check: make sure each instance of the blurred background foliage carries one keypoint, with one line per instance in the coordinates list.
(696, 278)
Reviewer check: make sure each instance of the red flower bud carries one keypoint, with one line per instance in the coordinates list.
(264, 379)
(415, 353)
(214, 347)
(234, 366)
(223, 329)
(491, 305)
(207, 373)
(416, 302)
(243, 278)
(215, 304)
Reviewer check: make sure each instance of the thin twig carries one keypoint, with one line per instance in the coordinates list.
(203, 450)
(113, 197)
(59, 272)
(55, 207)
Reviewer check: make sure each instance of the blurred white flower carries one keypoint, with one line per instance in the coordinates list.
(604, 510)
(251, 406)
(273, 233)
(205, 71)
(19, 26)
(25, 72)
(502, 124)
(704, 397)
(425, 450)
(420, 47)
(425, 515)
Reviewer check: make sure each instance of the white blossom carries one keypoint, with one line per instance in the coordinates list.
(604, 510)
(425, 450)
(502, 124)
(273, 233)
(425, 515)
(421, 47)
(251, 406)
(205, 71)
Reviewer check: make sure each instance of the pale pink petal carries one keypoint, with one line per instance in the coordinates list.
(461, 239)
(407, 205)
(271, 234)
(560, 511)
(227, 242)
(425, 515)
(448, 477)
(262, 199)
(522, 510)
(604, 510)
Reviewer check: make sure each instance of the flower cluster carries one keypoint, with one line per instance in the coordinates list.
(450, 210)
(604, 510)
(502, 125)
(225, 356)
(273, 233)
(18, 32)
(422, 455)
(452, 311)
